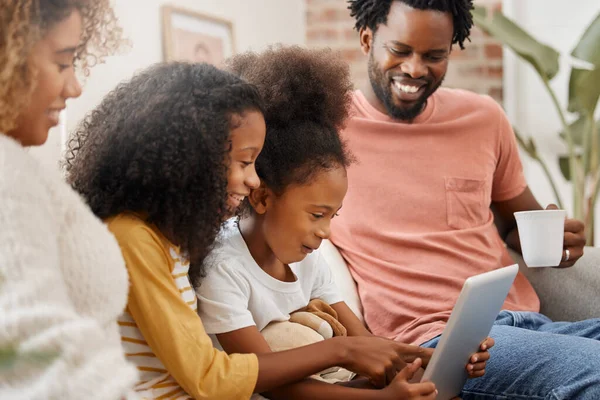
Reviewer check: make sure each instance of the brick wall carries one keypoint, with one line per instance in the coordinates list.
(477, 68)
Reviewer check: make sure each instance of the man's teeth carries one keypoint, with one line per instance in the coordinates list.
(407, 88)
(238, 198)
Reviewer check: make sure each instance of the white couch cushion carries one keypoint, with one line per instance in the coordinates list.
(342, 277)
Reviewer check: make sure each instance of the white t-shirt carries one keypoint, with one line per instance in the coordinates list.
(237, 293)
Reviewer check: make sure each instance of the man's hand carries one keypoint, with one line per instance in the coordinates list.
(574, 240)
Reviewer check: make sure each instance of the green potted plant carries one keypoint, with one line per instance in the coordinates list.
(581, 164)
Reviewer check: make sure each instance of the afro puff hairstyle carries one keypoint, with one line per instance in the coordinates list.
(307, 95)
(158, 145)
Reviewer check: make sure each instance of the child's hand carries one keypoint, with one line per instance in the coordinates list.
(401, 388)
(411, 352)
(373, 357)
(477, 362)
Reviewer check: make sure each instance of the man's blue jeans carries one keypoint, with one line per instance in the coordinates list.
(535, 358)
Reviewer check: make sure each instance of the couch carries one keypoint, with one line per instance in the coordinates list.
(565, 294)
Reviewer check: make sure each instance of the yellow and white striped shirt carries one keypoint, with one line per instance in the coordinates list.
(161, 330)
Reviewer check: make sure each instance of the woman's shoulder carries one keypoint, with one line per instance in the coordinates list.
(29, 187)
(19, 171)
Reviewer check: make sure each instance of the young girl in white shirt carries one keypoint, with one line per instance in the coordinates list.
(267, 264)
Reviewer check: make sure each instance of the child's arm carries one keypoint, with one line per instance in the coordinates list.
(172, 328)
(356, 328)
(399, 389)
(475, 367)
(249, 340)
(350, 321)
(224, 296)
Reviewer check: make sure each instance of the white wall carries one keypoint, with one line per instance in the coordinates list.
(256, 24)
(559, 24)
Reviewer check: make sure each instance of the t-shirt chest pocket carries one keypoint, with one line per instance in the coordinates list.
(467, 202)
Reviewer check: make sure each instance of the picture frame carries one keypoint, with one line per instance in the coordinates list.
(196, 37)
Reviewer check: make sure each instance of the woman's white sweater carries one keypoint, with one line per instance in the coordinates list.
(63, 283)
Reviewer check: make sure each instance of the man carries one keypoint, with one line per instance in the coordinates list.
(416, 220)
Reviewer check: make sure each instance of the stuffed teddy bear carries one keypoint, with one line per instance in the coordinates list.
(311, 324)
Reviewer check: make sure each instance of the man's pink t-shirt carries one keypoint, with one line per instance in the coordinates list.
(416, 221)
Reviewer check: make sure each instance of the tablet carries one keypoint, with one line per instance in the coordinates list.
(471, 321)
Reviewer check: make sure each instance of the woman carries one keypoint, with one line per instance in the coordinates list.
(63, 281)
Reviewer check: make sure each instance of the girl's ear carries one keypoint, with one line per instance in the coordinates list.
(259, 198)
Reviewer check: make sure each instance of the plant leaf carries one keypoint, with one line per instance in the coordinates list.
(527, 145)
(584, 85)
(542, 57)
(577, 130)
(565, 169)
(580, 128)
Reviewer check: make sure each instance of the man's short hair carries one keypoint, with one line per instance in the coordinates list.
(371, 13)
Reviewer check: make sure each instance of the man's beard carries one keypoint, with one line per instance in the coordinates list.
(382, 89)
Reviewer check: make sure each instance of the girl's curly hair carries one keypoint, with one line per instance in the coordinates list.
(307, 95)
(24, 22)
(158, 144)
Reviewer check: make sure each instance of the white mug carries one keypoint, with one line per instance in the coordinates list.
(541, 233)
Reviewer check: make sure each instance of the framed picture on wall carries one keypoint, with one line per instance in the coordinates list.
(196, 37)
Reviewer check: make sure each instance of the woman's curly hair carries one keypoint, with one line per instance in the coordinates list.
(25, 22)
(158, 145)
(307, 95)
